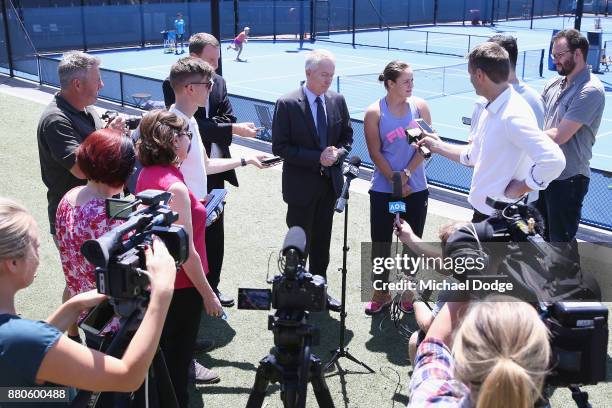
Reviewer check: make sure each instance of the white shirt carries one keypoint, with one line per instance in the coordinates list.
(507, 145)
(312, 101)
(193, 168)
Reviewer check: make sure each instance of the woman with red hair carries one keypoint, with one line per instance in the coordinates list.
(107, 159)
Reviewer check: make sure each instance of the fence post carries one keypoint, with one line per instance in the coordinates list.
(9, 49)
(215, 26)
(338, 84)
(354, 20)
(463, 16)
(83, 28)
(524, 61)
(541, 63)
(435, 13)
(469, 43)
(274, 20)
(236, 18)
(121, 88)
(142, 30)
(426, 41)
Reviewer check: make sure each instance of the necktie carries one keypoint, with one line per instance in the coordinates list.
(321, 123)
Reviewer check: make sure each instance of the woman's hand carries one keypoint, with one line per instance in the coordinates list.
(162, 268)
(86, 300)
(212, 305)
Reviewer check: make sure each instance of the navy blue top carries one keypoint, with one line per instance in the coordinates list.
(23, 345)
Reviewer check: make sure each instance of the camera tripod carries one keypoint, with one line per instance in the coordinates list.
(156, 392)
(291, 363)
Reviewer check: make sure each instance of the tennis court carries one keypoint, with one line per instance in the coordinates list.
(273, 69)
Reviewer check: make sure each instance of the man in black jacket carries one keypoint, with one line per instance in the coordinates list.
(312, 132)
(217, 124)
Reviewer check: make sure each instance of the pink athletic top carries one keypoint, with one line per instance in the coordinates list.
(161, 178)
(241, 37)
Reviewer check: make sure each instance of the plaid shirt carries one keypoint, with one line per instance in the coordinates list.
(432, 383)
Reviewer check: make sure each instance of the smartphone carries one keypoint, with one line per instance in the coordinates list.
(466, 121)
(98, 318)
(254, 299)
(424, 126)
(271, 160)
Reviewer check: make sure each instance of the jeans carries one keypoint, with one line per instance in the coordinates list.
(561, 207)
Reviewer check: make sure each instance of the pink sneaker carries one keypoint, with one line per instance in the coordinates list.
(406, 306)
(373, 307)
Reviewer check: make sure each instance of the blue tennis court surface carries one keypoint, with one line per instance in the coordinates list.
(273, 69)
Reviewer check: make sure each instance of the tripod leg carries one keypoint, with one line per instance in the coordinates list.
(361, 363)
(262, 379)
(319, 385)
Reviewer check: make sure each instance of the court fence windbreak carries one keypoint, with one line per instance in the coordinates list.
(129, 89)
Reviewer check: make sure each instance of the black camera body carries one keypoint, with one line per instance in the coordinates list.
(306, 292)
(119, 254)
(549, 275)
(131, 121)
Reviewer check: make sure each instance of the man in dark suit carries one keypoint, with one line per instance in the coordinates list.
(217, 124)
(312, 132)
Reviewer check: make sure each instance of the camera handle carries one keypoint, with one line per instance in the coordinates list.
(342, 351)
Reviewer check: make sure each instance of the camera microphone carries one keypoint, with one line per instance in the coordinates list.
(351, 172)
(294, 248)
(396, 205)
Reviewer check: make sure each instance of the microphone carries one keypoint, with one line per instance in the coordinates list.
(396, 205)
(294, 248)
(351, 172)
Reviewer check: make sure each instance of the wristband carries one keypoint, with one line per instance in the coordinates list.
(243, 162)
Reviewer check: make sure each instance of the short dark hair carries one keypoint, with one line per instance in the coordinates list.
(199, 41)
(492, 59)
(155, 145)
(575, 40)
(106, 156)
(508, 43)
(189, 69)
(392, 71)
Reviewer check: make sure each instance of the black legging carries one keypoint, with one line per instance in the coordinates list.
(179, 336)
(381, 222)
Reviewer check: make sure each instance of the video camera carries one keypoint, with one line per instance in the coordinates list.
(119, 254)
(548, 275)
(131, 121)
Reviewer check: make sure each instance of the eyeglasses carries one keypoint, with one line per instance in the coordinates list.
(559, 54)
(208, 84)
(185, 133)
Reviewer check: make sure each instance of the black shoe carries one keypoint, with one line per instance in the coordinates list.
(333, 304)
(203, 345)
(226, 301)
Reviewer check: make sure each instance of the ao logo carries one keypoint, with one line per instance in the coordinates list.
(397, 206)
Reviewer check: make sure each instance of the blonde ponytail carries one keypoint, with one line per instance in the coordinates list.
(501, 352)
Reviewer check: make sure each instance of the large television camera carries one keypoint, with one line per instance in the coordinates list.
(119, 254)
(549, 276)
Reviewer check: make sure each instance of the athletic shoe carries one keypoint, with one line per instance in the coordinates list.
(373, 307)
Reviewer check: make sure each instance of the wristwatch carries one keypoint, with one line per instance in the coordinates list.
(243, 162)
(407, 172)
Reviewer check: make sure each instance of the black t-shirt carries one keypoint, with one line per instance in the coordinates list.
(61, 130)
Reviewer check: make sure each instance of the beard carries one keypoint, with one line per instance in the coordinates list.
(566, 68)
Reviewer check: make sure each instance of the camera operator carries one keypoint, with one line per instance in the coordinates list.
(106, 159)
(499, 358)
(510, 155)
(65, 124)
(34, 352)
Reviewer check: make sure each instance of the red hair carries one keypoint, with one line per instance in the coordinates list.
(106, 156)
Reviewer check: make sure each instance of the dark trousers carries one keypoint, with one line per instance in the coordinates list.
(316, 219)
(179, 336)
(561, 207)
(381, 222)
(215, 238)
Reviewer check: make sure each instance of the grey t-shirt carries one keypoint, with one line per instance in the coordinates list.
(582, 101)
(533, 98)
(61, 130)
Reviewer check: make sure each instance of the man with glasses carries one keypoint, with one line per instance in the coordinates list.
(217, 124)
(573, 107)
(191, 80)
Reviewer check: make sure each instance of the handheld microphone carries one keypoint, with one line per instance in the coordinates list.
(396, 205)
(351, 172)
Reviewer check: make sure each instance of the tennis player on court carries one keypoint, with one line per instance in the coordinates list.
(237, 44)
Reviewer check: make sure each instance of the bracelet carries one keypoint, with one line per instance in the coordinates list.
(243, 162)
(407, 172)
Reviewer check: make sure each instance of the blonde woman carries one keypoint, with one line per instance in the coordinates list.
(499, 357)
(34, 352)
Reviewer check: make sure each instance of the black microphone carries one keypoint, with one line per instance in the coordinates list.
(396, 205)
(351, 172)
(293, 250)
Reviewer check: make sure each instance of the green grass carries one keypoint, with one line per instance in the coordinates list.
(255, 229)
